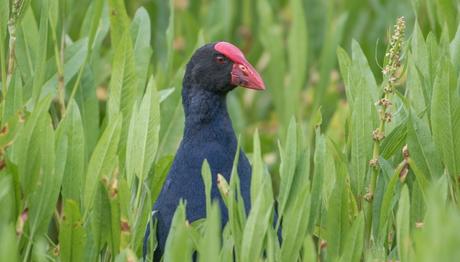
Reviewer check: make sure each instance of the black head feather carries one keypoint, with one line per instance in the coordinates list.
(208, 69)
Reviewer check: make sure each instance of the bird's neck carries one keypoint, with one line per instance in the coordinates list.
(205, 112)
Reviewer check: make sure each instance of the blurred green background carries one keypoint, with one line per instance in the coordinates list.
(84, 154)
(292, 43)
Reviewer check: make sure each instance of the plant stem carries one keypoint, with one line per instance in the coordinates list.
(375, 172)
(16, 9)
(26, 254)
(2, 64)
(77, 82)
(392, 64)
(11, 52)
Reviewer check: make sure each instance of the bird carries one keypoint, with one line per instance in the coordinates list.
(212, 72)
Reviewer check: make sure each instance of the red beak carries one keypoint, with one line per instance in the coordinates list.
(243, 73)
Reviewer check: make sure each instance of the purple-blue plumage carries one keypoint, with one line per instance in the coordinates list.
(208, 134)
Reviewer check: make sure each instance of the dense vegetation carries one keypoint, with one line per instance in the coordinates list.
(357, 137)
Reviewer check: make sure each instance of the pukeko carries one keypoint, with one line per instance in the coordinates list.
(214, 70)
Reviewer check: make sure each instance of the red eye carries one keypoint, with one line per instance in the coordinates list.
(220, 59)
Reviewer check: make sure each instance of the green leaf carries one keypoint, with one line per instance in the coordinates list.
(333, 37)
(119, 20)
(224, 190)
(417, 96)
(258, 222)
(143, 135)
(345, 70)
(21, 6)
(270, 36)
(44, 195)
(361, 126)
(394, 141)
(455, 49)
(318, 179)
(337, 218)
(4, 16)
(420, 177)
(8, 242)
(434, 54)
(124, 90)
(447, 11)
(139, 220)
(173, 125)
(226, 253)
(354, 241)
(386, 208)
(437, 239)
(27, 46)
(14, 98)
(360, 61)
(257, 168)
(161, 169)
(207, 179)
(445, 116)
(295, 224)
(89, 109)
(95, 20)
(39, 76)
(74, 57)
(70, 130)
(287, 167)
(178, 245)
(40, 250)
(403, 227)
(297, 53)
(140, 34)
(126, 255)
(165, 93)
(419, 49)
(165, 16)
(235, 204)
(210, 244)
(273, 245)
(7, 201)
(72, 234)
(309, 253)
(219, 19)
(418, 203)
(422, 149)
(170, 40)
(26, 152)
(53, 13)
(103, 160)
(382, 183)
(119, 198)
(99, 228)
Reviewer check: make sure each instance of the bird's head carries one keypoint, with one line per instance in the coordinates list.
(220, 67)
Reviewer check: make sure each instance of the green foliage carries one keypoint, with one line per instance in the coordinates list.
(445, 115)
(91, 115)
(72, 234)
